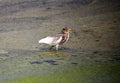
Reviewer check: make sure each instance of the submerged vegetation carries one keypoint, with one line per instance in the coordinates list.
(94, 73)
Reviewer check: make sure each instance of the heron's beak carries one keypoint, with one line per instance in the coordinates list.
(69, 30)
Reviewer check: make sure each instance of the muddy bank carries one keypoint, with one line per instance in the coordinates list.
(92, 28)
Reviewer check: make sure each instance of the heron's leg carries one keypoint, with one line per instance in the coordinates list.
(57, 47)
(51, 47)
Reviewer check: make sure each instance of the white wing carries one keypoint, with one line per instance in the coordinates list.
(51, 40)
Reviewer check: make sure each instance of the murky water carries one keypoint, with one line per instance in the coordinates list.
(17, 63)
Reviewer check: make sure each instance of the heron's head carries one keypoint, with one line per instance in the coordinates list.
(65, 30)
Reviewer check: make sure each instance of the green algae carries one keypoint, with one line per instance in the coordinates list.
(95, 73)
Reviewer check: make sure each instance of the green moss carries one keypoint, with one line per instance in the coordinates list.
(107, 73)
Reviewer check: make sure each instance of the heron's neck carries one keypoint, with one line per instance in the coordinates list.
(67, 36)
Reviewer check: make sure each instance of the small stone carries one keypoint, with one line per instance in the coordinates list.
(95, 52)
(74, 63)
(35, 62)
(97, 40)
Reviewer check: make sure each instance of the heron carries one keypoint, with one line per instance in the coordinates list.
(58, 39)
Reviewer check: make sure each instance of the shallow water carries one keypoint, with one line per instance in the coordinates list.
(18, 63)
